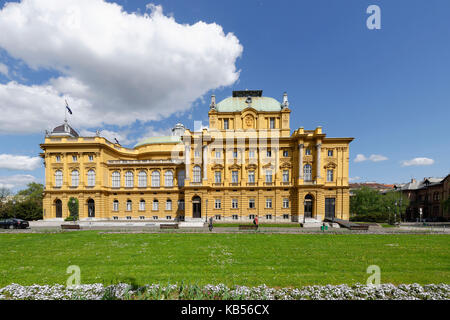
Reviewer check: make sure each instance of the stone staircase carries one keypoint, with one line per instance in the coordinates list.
(311, 223)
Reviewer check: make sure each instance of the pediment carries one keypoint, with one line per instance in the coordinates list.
(330, 165)
(286, 165)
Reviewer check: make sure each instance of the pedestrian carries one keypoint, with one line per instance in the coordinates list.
(255, 222)
(210, 225)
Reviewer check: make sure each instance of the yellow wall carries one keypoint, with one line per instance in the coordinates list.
(161, 157)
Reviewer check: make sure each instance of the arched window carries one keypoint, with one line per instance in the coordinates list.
(142, 179)
(116, 179)
(129, 203)
(155, 205)
(197, 174)
(58, 178)
(307, 172)
(168, 179)
(91, 178)
(142, 205)
(155, 179)
(181, 177)
(75, 178)
(116, 205)
(129, 179)
(169, 204)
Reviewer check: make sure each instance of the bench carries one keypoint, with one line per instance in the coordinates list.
(70, 226)
(168, 226)
(248, 227)
(359, 227)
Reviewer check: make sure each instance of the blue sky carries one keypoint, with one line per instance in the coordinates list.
(387, 88)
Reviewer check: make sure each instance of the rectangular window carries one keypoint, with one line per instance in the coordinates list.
(285, 203)
(128, 217)
(272, 123)
(142, 217)
(235, 154)
(251, 176)
(285, 175)
(225, 124)
(329, 175)
(268, 203)
(269, 153)
(74, 158)
(196, 154)
(251, 154)
(155, 217)
(91, 158)
(234, 176)
(116, 205)
(330, 153)
(168, 217)
(269, 176)
(155, 205)
(58, 158)
(169, 205)
(251, 216)
(142, 205)
(235, 217)
(217, 216)
(116, 218)
(218, 154)
(308, 152)
(217, 204)
(285, 216)
(234, 203)
(218, 177)
(285, 153)
(251, 203)
(268, 216)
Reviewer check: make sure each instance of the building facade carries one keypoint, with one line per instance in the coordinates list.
(429, 199)
(247, 163)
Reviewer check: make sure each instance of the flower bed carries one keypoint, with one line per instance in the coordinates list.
(222, 292)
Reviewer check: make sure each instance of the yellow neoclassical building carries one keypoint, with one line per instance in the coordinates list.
(247, 163)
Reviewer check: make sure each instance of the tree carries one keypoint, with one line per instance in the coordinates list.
(73, 208)
(28, 203)
(370, 205)
(4, 203)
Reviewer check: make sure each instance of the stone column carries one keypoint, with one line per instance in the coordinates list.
(205, 162)
(300, 161)
(187, 161)
(318, 147)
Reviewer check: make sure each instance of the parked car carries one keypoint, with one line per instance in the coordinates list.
(14, 224)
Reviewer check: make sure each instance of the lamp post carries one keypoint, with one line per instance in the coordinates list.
(14, 208)
(389, 212)
(73, 202)
(206, 210)
(304, 213)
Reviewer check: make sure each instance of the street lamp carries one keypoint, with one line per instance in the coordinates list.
(14, 208)
(304, 213)
(206, 211)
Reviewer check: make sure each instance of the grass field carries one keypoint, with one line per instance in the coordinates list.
(277, 260)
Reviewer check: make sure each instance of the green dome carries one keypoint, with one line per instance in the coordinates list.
(159, 140)
(236, 104)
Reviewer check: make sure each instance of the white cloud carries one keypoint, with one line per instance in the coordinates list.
(351, 179)
(4, 69)
(372, 157)
(417, 162)
(115, 67)
(15, 181)
(12, 162)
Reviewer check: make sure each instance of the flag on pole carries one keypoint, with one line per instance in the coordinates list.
(67, 106)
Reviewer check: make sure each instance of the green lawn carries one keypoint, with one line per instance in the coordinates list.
(264, 225)
(248, 259)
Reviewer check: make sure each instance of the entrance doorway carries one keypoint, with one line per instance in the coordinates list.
(196, 207)
(308, 206)
(58, 208)
(330, 208)
(91, 208)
